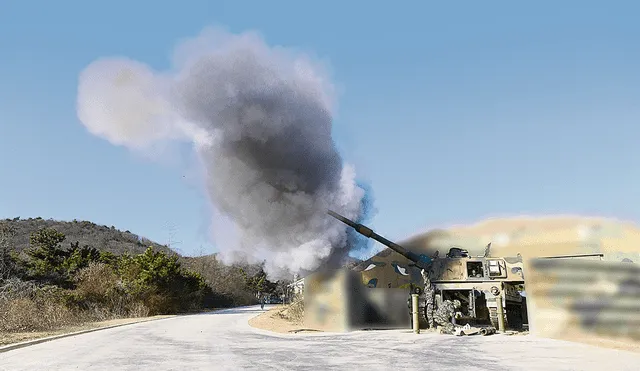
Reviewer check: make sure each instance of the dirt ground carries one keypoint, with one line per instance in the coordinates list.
(272, 320)
(17, 337)
(629, 345)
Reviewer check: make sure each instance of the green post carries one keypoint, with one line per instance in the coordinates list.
(500, 312)
(414, 312)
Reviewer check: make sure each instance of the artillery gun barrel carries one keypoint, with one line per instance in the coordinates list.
(369, 233)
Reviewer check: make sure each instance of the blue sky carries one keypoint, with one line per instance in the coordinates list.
(452, 112)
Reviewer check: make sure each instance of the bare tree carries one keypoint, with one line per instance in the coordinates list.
(6, 260)
(202, 258)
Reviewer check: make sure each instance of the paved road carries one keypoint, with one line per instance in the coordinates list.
(224, 341)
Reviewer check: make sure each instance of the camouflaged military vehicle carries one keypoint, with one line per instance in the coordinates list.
(477, 281)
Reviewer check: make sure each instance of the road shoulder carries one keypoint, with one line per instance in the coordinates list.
(10, 341)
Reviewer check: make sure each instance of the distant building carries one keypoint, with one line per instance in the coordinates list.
(296, 287)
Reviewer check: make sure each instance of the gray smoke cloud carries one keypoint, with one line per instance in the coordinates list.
(260, 119)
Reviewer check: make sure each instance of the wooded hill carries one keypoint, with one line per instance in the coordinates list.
(101, 237)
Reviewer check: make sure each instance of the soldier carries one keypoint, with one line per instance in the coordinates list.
(445, 316)
(430, 295)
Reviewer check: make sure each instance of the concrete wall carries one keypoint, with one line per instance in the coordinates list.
(338, 301)
(327, 301)
(584, 300)
(387, 309)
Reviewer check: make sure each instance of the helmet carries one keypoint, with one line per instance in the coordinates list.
(457, 304)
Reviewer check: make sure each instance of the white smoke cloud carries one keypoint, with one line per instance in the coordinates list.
(584, 232)
(260, 119)
(501, 239)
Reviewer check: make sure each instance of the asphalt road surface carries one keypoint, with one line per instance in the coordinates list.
(224, 341)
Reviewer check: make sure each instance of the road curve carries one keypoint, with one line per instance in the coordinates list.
(224, 341)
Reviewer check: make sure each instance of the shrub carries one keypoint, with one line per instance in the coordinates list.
(159, 281)
(15, 288)
(78, 284)
(7, 258)
(294, 311)
(25, 306)
(100, 294)
(46, 258)
(79, 257)
(23, 315)
(97, 281)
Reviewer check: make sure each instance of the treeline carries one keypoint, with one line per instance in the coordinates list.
(48, 285)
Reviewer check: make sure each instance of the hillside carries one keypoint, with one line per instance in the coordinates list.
(101, 237)
(537, 236)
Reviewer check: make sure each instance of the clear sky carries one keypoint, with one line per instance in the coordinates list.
(452, 112)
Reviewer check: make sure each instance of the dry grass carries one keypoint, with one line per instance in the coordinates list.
(26, 314)
(294, 312)
(96, 280)
(26, 307)
(99, 287)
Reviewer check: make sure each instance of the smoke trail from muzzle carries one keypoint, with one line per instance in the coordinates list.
(260, 119)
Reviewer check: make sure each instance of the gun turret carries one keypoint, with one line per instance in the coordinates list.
(421, 261)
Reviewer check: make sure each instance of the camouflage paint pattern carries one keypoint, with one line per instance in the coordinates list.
(429, 297)
(443, 316)
(388, 269)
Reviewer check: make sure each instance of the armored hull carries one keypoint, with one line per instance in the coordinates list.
(478, 282)
(487, 287)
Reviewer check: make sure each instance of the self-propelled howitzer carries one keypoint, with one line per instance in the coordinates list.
(420, 260)
(479, 282)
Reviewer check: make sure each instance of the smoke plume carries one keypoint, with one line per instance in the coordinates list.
(260, 119)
